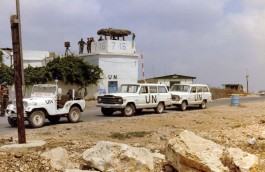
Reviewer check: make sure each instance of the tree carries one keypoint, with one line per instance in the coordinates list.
(7, 74)
(72, 70)
(1, 56)
(36, 75)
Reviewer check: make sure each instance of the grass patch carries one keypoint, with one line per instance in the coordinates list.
(127, 135)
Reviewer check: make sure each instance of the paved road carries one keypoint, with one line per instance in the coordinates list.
(92, 113)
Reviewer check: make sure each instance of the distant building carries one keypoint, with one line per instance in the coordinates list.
(169, 80)
(238, 87)
(30, 57)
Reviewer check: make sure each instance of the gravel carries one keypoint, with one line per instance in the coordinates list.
(226, 125)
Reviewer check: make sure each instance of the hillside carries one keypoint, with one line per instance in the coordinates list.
(218, 93)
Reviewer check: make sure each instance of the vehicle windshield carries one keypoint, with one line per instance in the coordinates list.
(43, 91)
(180, 88)
(128, 88)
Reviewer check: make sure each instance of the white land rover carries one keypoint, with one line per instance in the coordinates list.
(133, 98)
(46, 101)
(184, 95)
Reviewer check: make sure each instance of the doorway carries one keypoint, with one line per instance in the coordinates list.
(113, 86)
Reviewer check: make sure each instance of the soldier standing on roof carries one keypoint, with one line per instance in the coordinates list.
(88, 43)
(4, 97)
(81, 44)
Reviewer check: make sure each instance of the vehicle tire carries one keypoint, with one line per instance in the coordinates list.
(160, 108)
(107, 111)
(54, 119)
(183, 106)
(128, 111)
(12, 122)
(138, 111)
(203, 105)
(36, 119)
(74, 115)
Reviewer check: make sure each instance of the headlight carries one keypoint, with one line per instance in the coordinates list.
(120, 101)
(99, 99)
(175, 97)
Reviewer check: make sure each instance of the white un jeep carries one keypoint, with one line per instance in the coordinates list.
(46, 101)
(133, 98)
(184, 95)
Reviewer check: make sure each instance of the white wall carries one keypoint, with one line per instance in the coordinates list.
(122, 69)
(113, 46)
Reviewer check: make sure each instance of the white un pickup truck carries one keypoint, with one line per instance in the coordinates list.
(184, 95)
(46, 101)
(133, 98)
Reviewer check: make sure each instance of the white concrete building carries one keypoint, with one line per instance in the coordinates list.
(30, 57)
(117, 59)
(169, 80)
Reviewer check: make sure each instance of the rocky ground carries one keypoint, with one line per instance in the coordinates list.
(226, 125)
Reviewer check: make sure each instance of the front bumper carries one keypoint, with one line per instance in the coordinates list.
(115, 106)
(11, 111)
(175, 102)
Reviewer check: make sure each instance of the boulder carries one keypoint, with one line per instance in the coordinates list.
(58, 158)
(236, 159)
(111, 156)
(191, 153)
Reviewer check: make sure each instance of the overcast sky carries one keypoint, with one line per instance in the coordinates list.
(215, 41)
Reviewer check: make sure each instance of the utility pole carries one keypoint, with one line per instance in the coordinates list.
(247, 79)
(16, 41)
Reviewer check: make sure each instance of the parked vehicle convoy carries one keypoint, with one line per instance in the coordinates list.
(46, 101)
(184, 95)
(133, 98)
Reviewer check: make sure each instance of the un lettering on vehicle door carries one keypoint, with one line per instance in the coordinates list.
(198, 97)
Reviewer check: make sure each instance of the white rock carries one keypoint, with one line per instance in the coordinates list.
(111, 156)
(58, 158)
(242, 160)
(189, 153)
(252, 141)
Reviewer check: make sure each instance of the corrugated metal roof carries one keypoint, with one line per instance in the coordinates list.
(174, 76)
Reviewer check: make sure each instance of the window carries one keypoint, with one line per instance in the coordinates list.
(205, 89)
(128, 88)
(144, 90)
(193, 89)
(162, 89)
(153, 89)
(199, 89)
(181, 88)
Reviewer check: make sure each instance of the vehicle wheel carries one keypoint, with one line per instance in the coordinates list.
(160, 108)
(203, 105)
(129, 110)
(36, 119)
(183, 106)
(12, 122)
(107, 111)
(74, 115)
(138, 111)
(54, 119)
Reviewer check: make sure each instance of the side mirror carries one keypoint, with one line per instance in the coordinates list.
(59, 91)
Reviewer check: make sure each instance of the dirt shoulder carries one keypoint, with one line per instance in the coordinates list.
(227, 125)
